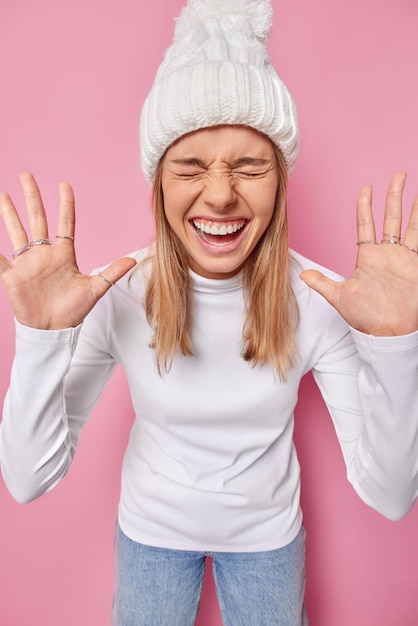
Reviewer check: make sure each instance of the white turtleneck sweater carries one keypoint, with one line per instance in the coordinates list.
(210, 464)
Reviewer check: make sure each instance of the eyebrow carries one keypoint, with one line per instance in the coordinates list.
(189, 161)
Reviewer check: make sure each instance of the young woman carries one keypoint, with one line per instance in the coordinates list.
(215, 325)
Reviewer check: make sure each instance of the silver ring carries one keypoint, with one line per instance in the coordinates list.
(391, 236)
(374, 243)
(109, 282)
(390, 241)
(409, 248)
(40, 242)
(26, 246)
(64, 237)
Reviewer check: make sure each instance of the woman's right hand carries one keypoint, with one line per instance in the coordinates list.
(43, 283)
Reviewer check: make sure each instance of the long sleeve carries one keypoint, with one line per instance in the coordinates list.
(38, 438)
(385, 469)
(370, 386)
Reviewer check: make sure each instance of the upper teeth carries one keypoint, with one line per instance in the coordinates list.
(214, 229)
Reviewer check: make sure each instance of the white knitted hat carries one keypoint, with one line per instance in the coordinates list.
(217, 71)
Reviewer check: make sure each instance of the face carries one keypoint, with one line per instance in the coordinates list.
(219, 186)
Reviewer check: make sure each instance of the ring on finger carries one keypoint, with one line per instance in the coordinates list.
(398, 237)
(374, 243)
(109, 282)
(26, 246)
(40, 242)
(390, 240)
(64, 237)
(409, 248)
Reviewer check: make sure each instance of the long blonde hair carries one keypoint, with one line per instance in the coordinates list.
(271, 309)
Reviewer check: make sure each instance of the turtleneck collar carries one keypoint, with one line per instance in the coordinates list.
(214, 286)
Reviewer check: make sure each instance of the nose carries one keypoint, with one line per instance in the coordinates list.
(219, 192)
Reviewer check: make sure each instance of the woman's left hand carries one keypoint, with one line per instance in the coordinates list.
(381, 298)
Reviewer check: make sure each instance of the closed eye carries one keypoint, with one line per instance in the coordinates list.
(253, 167)
(188, 168)
(185, 175)
(252, 174)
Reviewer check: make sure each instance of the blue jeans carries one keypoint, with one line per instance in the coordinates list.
(160, 587)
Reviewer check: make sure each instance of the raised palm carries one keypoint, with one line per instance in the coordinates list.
(381, 298)
(43, 283)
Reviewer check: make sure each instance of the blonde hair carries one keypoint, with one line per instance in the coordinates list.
(272, 312)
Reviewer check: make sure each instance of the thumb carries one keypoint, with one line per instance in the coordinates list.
(116, 270)
(119, 268)
(326, 287)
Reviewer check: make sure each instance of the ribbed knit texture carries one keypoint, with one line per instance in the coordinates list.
(217, 71)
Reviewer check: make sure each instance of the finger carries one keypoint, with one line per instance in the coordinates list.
(365, 223)
(411, 234)
(326, 287)
(392, 223)
(66, 216)
(12, 221)
(4, 264)
(108, 277)
(35, 208)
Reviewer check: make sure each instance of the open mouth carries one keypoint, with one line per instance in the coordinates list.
(219, 233)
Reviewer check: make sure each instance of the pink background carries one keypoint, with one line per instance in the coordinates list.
(73, 76)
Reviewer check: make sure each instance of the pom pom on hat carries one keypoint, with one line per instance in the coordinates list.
(217, 71)
(257, 12)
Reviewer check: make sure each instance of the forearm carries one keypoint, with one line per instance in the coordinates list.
(36, 443)
(384, 465)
